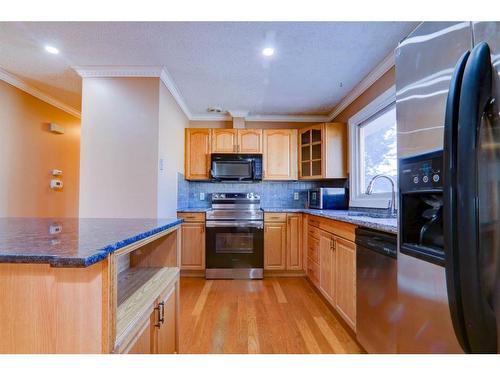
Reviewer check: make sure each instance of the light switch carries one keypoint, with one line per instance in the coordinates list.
(296, 196)
(202, 196)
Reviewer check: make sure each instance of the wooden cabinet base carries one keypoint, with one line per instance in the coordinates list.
(331, 264)
(87, 310)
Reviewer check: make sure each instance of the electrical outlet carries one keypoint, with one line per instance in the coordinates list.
(202, 196)
(161, 164)
(296, 196)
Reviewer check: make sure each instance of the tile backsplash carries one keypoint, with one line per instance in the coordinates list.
(273, 193)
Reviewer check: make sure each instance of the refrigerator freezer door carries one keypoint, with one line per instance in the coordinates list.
(485, 206)
(425, 62)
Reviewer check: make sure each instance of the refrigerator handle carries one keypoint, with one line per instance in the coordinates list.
(475, 95)
(450, 201)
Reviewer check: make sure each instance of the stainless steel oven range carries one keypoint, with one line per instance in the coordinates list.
(235, 237)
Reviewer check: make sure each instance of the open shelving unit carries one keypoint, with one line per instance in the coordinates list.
(141, 273)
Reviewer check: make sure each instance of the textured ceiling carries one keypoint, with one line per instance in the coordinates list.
(211, 63)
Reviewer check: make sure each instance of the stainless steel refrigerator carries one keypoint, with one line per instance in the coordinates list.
(447, 105)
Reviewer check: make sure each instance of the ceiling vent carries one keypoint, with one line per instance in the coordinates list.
(214, 110)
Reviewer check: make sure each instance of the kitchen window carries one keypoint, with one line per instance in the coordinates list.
(373, 150)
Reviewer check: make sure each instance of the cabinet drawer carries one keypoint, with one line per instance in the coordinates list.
(313, 249)
(314, 221)
(313, 232)
(275, 217)
(191, 216)
(313, 271)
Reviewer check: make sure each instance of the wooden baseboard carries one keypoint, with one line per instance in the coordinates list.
(192, 273)
(285, 273)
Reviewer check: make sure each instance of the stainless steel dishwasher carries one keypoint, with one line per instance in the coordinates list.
(376, 301)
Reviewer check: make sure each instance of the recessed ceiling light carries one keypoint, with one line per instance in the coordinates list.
(268, 51)
(52, 50)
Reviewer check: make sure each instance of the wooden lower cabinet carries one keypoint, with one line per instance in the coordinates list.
(327, 265)
(158, 334)
(294, 242)
(283, 249)
(166, 341)
(193, 240)
(331, 264)
(143, 343)
(274, 246)
(345, 279)
(193, 246)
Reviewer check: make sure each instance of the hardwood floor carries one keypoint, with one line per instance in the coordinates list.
(274, 315)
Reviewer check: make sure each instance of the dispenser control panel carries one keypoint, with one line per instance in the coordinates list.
(422, 172)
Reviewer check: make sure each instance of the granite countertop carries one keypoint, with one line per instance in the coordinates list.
(389, 225)
(383, 224)
(72, 242)
(194, 209)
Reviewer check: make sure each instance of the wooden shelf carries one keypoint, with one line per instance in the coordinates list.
(138, 288)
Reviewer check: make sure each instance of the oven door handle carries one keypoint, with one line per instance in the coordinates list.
(237, 224)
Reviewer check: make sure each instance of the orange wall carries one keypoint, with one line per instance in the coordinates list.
(378, 87)
(28, 151)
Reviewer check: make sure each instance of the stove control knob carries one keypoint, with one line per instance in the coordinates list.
(215, 196)
(222, 196)
(249, 195)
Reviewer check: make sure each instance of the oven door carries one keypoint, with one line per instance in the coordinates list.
(231, 244)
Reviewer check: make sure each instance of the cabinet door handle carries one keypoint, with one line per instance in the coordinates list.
(161, 306)
(157, 308)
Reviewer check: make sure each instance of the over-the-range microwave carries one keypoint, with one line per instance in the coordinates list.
(236, 167)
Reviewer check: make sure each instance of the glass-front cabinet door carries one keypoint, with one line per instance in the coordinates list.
(311, 152)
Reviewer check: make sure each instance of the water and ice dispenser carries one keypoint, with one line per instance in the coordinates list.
(421, 207)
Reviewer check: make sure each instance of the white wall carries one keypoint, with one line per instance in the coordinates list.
(172, 123)
(119, 147)
(128, 125)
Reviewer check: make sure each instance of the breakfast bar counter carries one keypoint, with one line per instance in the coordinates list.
(74, 285)
(72, 242)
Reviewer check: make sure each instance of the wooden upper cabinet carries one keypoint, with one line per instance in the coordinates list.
(345, 280)
(275, 246)
(280, 154)
(249, 141)
(224, 141)
(197, 154)
(294, 242)
(323, 151)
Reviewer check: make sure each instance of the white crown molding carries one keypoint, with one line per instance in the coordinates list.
(162, 73)
(137, 71)
(21, 85)
(288, 118)
(95, 71)
(211, 117)
(386, 64)
(168, 81)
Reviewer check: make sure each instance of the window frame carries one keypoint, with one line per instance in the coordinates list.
(358, 198)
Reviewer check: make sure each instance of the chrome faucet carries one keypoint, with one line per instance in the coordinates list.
(392, 202)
